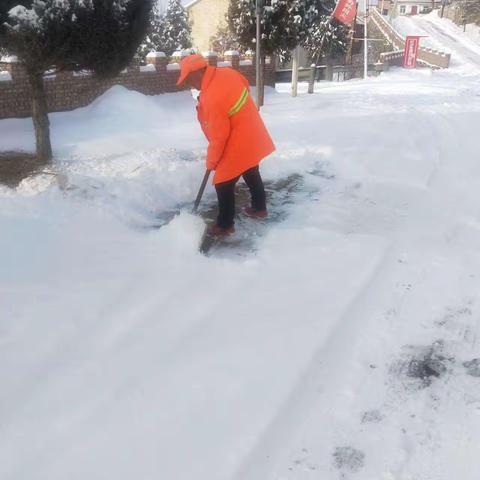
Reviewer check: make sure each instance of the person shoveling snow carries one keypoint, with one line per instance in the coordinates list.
(238, 139)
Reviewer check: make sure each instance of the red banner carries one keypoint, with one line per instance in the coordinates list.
(345, 11)
(411, 51)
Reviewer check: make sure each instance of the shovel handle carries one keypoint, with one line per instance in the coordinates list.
(200, 192)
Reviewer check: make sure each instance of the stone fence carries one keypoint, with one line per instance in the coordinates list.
(70, 90)
(427, 57)
(394, 58)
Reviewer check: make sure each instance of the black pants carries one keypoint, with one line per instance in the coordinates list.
(226, 196)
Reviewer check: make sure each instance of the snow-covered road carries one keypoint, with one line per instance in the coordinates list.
(342, 347)
(444, 35)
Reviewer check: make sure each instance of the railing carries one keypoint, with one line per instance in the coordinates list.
(392, 58)
(331, 73)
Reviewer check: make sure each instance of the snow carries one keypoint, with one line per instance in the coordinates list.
(472, 31)
(173, 66)
(9, 59)
(444, 35)
(82, 73)
(25, 16)
(5, 76)
(156, 55)
(148, 68)
(127, 354)
(182, 53)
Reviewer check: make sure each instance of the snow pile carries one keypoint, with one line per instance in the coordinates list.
(344, 346)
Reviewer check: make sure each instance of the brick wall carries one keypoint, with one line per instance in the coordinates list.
(67, 91)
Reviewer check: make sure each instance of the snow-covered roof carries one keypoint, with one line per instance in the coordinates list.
(156, 55)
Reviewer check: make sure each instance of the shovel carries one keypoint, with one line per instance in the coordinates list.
(205, 242)
(200, 192)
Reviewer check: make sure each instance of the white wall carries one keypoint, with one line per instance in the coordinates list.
(409, 7)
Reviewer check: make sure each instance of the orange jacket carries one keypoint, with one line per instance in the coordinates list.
(237, 137)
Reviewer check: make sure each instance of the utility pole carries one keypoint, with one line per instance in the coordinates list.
(365, 41)
(258, 11)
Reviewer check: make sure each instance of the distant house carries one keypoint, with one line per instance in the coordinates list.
(206, 17)
(405, 7)
(385, 6)
(412, 7)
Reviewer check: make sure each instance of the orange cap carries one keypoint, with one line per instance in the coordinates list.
(190, 64)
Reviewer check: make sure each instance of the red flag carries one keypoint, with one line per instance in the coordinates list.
(345, 11)
(411, 51)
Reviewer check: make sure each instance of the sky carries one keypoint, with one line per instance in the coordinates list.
(163, 4)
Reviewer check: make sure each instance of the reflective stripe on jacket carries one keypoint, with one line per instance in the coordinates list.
(237, 137)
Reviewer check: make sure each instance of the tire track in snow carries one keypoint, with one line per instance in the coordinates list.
(329, 369)
(308, 391)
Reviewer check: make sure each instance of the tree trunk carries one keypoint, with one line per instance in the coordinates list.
(313, 73)
(311, 81)
(295, 59)
(351, 36)
(40, 117)
(311, 78)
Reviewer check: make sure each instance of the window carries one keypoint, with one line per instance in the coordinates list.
(403, 8)
(385, 11)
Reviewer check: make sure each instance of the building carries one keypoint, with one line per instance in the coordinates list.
(412, 7)
(405, 7)
(385, 6)
(206, 17)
